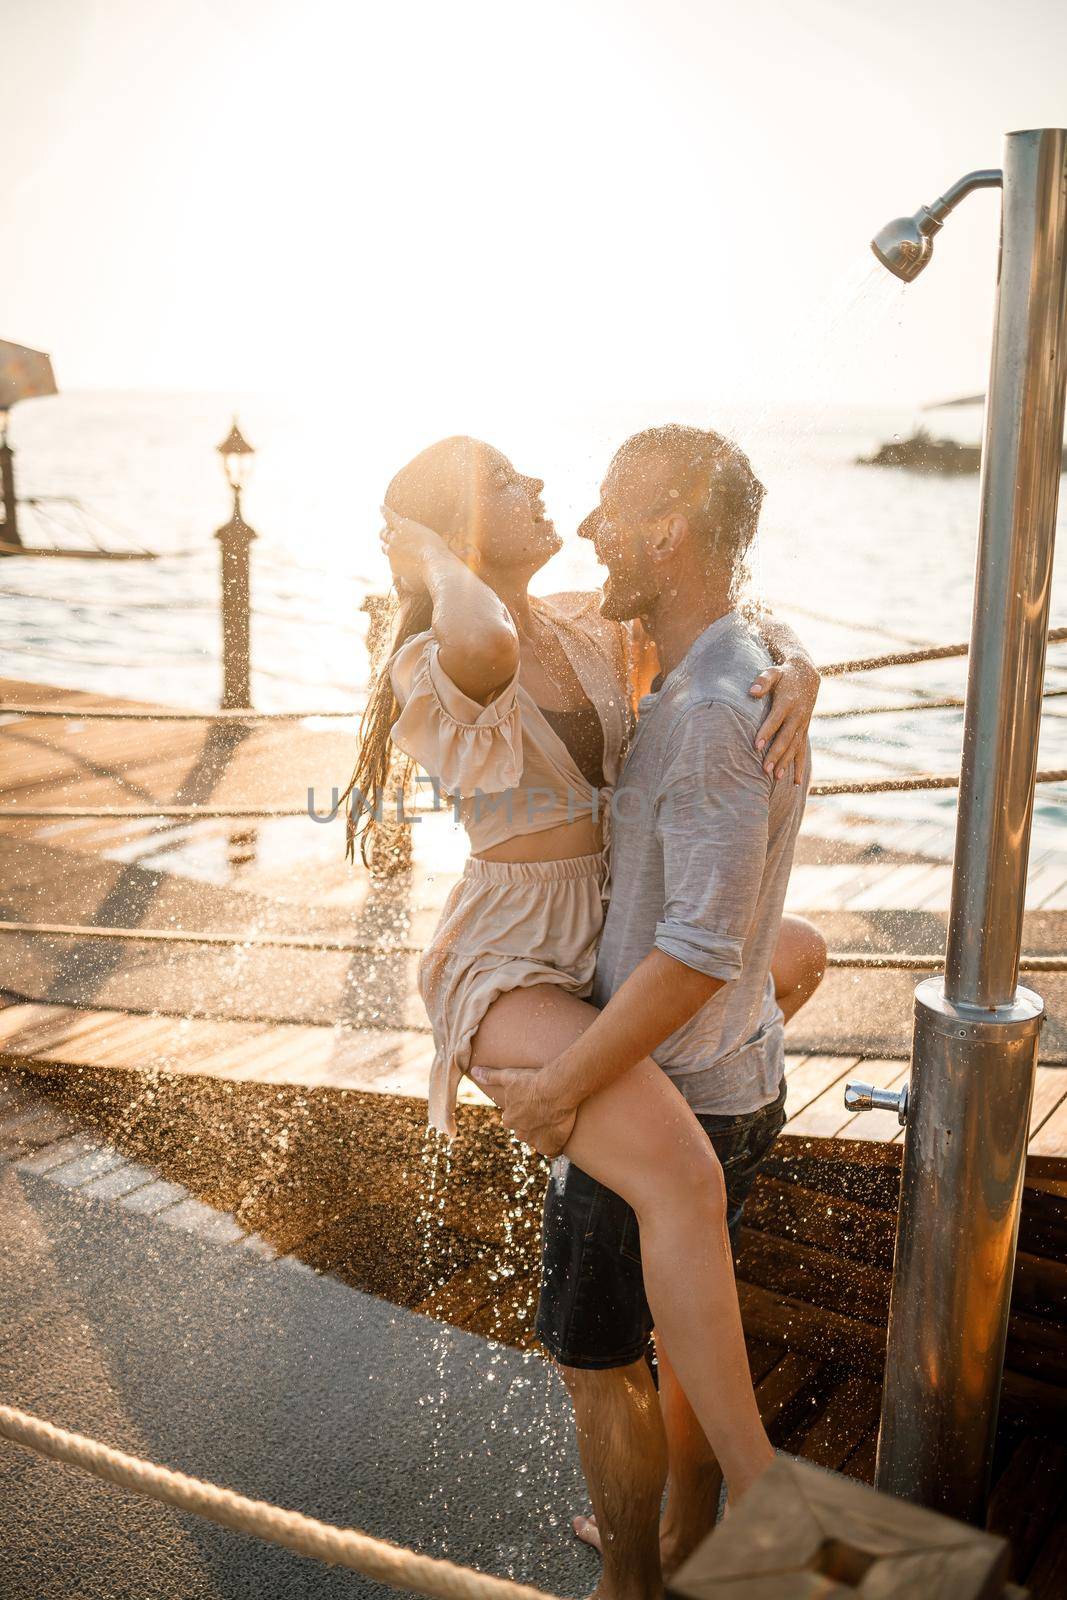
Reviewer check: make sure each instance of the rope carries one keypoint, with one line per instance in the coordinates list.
(322, 1541)
(16, 708)
(903, 707)
(21, 708)
(139, 813)
(112, 603)
(904, 658)
(190, 658)
(7, 549)
(856, 627)
(158, 658)
(897, 785)
(269, 941)
(898, 960)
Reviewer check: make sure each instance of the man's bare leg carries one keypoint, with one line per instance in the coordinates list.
(694, 1478)
(624, 1458)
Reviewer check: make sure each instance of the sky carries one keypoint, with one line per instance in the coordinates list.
(552, 207)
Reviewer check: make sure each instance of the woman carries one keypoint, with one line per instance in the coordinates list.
(521, 707)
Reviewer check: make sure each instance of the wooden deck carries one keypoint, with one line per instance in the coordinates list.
(186, 982)
(397, 1061)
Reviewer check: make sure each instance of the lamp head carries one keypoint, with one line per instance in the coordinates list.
(236, 453)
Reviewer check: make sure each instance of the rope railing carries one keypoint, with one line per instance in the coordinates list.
(117, 603)
(833, 669)
(292, 1530)
(918, 781)
(158, 659)
(907, 658)
(854, 625)
(904, 961)
(904, 707)
(175, 714)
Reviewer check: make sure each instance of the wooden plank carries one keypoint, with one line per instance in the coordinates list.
(134, 1044)
(818, 1277)
(762, 1357)
(82, 1034)
(894, 889)
(1047, 1579)
(20, 1017)
(806, 1216)
(824, 1335)
(804, 1531)
(825, 1117)
(825, 888)
(782, 1385)
(1028, 1499)
(1044, 885)
(860, 1464)
(1050, 1091)
(1051, 1138)
(843, 1422)
(812, 1076)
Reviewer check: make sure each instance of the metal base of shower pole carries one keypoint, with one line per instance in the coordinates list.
(961, 1189)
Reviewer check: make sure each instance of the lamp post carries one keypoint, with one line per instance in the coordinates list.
(234, 540)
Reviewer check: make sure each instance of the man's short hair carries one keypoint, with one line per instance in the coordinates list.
(714, 486)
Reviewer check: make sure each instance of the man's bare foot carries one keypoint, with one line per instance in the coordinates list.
(673, 1550)
(586, 1530)
(600, 1593)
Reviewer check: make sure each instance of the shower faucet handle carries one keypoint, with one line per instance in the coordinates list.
(862, 1097)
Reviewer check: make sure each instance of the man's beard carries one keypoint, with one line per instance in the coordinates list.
(621, 602)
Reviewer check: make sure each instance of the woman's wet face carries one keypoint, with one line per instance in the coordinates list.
(475, 499)
(514, 530)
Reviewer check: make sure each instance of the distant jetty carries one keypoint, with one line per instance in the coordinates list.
(925, 453)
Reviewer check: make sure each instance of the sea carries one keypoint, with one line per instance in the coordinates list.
(860, 560)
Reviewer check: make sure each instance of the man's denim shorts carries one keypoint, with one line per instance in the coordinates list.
(592, 1311)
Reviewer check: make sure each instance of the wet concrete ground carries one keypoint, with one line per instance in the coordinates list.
(262, 1375)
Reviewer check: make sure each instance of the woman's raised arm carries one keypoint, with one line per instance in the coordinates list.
(478, 644)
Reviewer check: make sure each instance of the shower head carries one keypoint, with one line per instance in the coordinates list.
(905, 245)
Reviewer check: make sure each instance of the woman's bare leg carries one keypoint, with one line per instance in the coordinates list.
(639, 1138)
(799, 964)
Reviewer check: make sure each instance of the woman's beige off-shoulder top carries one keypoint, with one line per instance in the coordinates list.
(511, 772)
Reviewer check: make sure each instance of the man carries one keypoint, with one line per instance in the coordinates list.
(703, 841)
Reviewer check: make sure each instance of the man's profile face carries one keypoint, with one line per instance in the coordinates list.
(634, 500)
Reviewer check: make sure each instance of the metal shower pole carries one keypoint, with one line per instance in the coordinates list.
(976, 1032)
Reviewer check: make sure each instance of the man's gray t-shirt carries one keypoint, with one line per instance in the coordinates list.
(702, 845)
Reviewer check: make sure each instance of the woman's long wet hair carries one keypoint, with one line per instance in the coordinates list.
(433, 488)
(407, 614)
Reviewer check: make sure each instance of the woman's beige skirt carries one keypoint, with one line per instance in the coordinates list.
(505, 925)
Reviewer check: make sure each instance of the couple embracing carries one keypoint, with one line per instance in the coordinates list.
(613, 967)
